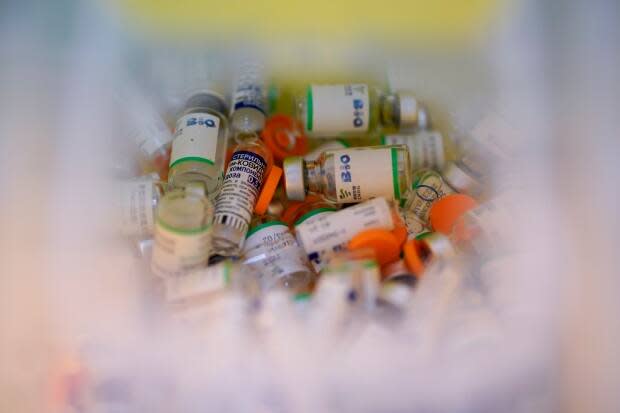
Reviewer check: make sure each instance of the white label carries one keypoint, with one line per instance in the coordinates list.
(414, 224)
(338, 108)
(275, 251)
(136, 202)
(175, 252)
(362, 174)
(195, 138)
(425, 148)
(235, 203)
(323, 235)
(249, 91)
(428, 188)
(200, 282)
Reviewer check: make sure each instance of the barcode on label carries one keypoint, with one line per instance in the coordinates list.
(231, 221)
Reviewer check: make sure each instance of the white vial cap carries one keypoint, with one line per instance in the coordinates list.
(294, 182)
(458, 177)
(412, 113)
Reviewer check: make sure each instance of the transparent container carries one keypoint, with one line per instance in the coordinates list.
(342, 176)
(182, 232)
(199, 145)
(272, 248)
(249, 109)
(357, 110)
(235, 203)
(138, 199)
(321, 233)
(427, 148)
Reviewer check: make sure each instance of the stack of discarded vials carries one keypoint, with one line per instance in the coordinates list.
(352, 184)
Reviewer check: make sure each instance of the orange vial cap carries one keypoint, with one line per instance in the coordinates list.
(447, 210)
(269, 189)
(284, 136)
(383, 242)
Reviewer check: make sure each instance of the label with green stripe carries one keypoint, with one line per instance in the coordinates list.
(365, 173)
(195, 139)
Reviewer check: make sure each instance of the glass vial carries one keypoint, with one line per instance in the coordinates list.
(235, 203)
(350, 175)
(249, 101)
(182, 232)
(427, 149)
(138, 199)
(271, 247)
(199, 145)
(357, 109)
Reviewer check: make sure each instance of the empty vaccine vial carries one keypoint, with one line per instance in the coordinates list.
(357, 109)
(427, 149)
(182, 232)
(249, 99)
(272, 248)
(429, 186)
(138, 199)
(321, 233)
(350, 175)
(199, 145)
(235, 203)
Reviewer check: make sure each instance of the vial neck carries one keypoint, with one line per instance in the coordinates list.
(314, 178)
(390, 111)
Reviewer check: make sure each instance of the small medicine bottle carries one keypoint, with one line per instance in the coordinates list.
(199, 145)
(138, 199)
(271, 247)
(234, 205)
(350, 175)
(182, 232)
(321, 233)
(427, 148)
(249, 109)
(357, 110)
(429, 186)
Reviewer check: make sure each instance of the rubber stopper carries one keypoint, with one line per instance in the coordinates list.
(284, 136)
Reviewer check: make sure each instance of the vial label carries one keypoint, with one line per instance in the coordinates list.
(204, 281)
(195, 139)
(274, 250)
(362, 174)
(177, 252)
(428, 188)
(137, 207)
(326, 234)
(337, 108)
(425, 148)
(249, 92)
(415, 226)
(242, 183)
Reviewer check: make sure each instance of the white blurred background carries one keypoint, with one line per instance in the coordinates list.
(550, 69)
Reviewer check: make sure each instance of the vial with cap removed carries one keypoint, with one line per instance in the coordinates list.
(182, 232)
(350, 175)
(248, 109)
(235, 203)
(199, 145)
(429, 186)
(357, 110)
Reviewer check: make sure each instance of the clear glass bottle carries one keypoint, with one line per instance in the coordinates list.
(182, 232)
(271, 247)
(199, 145)
(249, 109)
(430, 185)
(234, 206)
(350, 175)
(138, 199)
(321, 233)
(357, 110)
